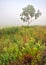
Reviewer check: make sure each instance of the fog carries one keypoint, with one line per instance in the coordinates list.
(10, 12)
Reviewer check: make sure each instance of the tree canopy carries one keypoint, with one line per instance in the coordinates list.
(28, 13)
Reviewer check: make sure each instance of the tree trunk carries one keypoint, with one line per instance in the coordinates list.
(28, 23)
(31, 20)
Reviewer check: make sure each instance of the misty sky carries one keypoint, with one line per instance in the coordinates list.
(10, 11)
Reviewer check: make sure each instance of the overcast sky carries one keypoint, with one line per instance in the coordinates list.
(10, 11)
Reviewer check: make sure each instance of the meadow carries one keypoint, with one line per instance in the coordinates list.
(24, 45)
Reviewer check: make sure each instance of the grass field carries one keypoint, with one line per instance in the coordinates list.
(25, 45)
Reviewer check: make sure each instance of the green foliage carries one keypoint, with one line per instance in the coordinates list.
(28, 13)
(37, 14)
(13, 52)
(13, 46)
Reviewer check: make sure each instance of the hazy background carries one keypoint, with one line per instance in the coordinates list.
(10, 12)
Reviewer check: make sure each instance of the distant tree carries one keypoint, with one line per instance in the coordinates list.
(29, 13)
